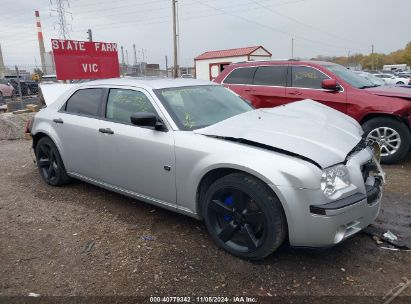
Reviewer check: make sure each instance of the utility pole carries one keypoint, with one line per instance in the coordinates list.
(127, 57)
(292, 48)
(18, 82)
(90, 35)
(372, 57)
(122, 56)
(166, 66)
(175, 70)
(135, 54)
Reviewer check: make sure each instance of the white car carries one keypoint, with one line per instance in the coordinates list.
(370, 77)
(392, 79)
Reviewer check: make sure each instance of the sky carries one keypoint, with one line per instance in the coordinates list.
(319, 27)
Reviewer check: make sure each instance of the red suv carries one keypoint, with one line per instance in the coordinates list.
(383, 111)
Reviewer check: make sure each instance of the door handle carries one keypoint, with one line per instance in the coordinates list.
(106, 130)
(58, 120)
(248, 90)
(295, 93)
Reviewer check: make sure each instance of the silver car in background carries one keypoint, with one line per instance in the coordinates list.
(300, 172)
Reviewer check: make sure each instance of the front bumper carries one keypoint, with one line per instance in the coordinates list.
(314, 221)
(373, 193)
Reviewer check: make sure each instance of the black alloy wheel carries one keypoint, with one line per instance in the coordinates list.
(47, 162)
(237, 219)
(244, 217)
(50, 164)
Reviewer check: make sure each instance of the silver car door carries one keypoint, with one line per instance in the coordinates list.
(76, 125)
(136, 159)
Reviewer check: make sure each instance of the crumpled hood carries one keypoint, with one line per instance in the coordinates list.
(394, 91)
(306, 128)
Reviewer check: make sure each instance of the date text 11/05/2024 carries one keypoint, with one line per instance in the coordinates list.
(200, 299)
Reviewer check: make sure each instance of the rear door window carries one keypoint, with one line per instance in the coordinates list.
(307, 77)
(86, 102)
(270, 76)
(240, 76)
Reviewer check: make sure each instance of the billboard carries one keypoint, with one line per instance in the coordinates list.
(84, 59)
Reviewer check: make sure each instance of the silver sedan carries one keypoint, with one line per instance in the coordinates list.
(300, 172)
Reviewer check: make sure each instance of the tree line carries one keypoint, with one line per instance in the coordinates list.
(372, 61)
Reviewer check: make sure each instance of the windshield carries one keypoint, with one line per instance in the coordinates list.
(350, 77)
(201, 106)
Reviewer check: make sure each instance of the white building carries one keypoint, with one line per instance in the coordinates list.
(394, 67)
(209, 64)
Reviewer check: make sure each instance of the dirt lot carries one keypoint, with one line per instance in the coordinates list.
(83, 240)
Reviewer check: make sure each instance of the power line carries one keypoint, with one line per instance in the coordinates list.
(99, 3)
(124, 6)
(302, 23)
(267, 26)
(166, 18)
(165, 8)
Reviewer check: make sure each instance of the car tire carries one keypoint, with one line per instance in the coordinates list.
(243, 216)
(50, 164)
(400, 82)
(393, 136)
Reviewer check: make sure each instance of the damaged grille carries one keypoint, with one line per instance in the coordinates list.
(367, 168)
(372, 186)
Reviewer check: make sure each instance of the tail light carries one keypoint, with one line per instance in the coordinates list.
(29, 124)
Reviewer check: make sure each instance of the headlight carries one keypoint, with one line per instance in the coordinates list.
(334, 179)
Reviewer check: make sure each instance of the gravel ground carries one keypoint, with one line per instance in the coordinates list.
(83, 240)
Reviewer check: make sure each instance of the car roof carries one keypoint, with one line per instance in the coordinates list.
(149, 82)
(282, 61)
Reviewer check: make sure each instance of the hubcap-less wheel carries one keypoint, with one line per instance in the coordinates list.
(237, 220)
(388, 138)
(47, 162)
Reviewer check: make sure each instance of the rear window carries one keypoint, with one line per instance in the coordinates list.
(240, 76)
(271, 76)
(85, 102)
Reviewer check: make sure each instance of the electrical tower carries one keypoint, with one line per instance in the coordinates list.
(61, 18)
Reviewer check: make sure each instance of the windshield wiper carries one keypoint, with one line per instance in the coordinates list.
(369, 86)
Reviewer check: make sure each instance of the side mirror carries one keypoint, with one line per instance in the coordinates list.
(330, 84)
(145, 119)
